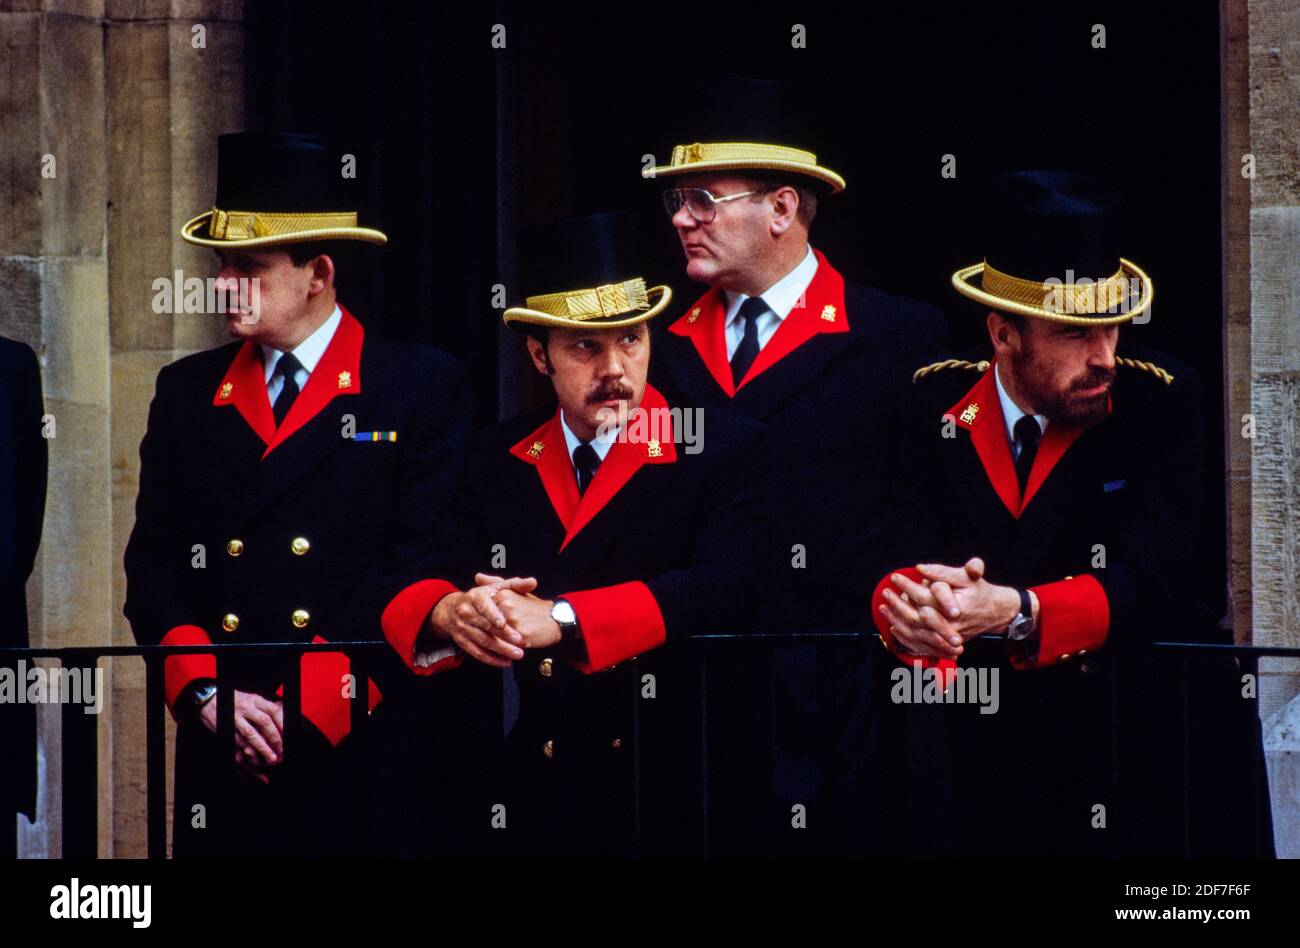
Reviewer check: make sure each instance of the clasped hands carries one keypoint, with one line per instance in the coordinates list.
(950, 606)
(496, 620)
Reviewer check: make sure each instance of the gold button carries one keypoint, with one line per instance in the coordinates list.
(548, 750)
(299, 546)
(616, 743)
(299, 618)
(230, 622)
(1064, 657)
(235, 547)
(546, 667)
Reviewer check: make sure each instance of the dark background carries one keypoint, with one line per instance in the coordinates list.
(471, 142)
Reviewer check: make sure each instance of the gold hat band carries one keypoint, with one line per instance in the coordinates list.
(612, 299)
(739, 151)
(1105, 296)
(244, 225)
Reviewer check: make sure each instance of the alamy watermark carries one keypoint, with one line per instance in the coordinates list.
(39, 685)
(684, 426)
(208, 296)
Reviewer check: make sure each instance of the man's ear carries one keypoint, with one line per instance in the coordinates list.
(785, 208)
(1003, 334)
(322, 275)
(541, 361)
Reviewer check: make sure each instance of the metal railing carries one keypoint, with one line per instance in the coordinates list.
(80, 797)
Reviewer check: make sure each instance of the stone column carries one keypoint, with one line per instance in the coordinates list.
(1264, 368)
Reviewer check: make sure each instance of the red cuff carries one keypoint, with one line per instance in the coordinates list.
(323, 701)
(947, 665)
(180, 670)
(405, 616)
(617, 622)
(1073, 618)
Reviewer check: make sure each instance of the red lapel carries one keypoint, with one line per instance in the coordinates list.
(337, 373)
(988, 432)
(705, 325)
(546, 450)
(820, 310)
(244, 386)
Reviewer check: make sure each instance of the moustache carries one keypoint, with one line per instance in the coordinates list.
(619, 392)
(1095, 378)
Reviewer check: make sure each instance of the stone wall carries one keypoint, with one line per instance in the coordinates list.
(126, 98)
(1262, 269)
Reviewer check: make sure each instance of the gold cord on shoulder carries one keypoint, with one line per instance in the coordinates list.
(981, 366)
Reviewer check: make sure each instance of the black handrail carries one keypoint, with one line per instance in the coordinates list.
(79, 738)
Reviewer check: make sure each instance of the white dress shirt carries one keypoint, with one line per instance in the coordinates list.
(601, 444)
(1011, 413)
(780, 298)
(308, 352)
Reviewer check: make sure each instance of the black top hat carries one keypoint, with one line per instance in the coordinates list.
(740, 124)
(585, 271)
(1051, 251)
(279, 188)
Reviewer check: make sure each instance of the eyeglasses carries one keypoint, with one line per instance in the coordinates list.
(702, 205)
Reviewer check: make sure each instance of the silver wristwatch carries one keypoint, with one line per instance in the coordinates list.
(564, 616)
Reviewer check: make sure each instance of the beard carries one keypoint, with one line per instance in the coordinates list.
(1068, 407)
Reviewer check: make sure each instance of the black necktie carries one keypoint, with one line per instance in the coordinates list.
(1028, 434)
(747, 351)
(288, 366)
(586, 460)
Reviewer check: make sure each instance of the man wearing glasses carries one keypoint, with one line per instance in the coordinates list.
(782, 337)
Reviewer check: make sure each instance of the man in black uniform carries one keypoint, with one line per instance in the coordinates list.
(782, 337)
(23, 462)
(1051, 499)
(619, 526)
(285, 481)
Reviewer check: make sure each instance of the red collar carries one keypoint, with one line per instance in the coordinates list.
(337, 373)
(546, 450)
(821, 309)
(979, 411)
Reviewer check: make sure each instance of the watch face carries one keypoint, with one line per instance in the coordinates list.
(563, 613)
(1019, 628)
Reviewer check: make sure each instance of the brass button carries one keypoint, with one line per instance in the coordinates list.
(1088, 666)
(1064, 657)
(616, 743)
(548, 750)
(300, 545)
(300, 618)
(546, 667)
(235, 547)
(230, 622)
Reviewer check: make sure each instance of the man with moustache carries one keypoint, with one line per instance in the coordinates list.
(1051, 509)
(613, 542)
(781, 336)
(285, 481)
